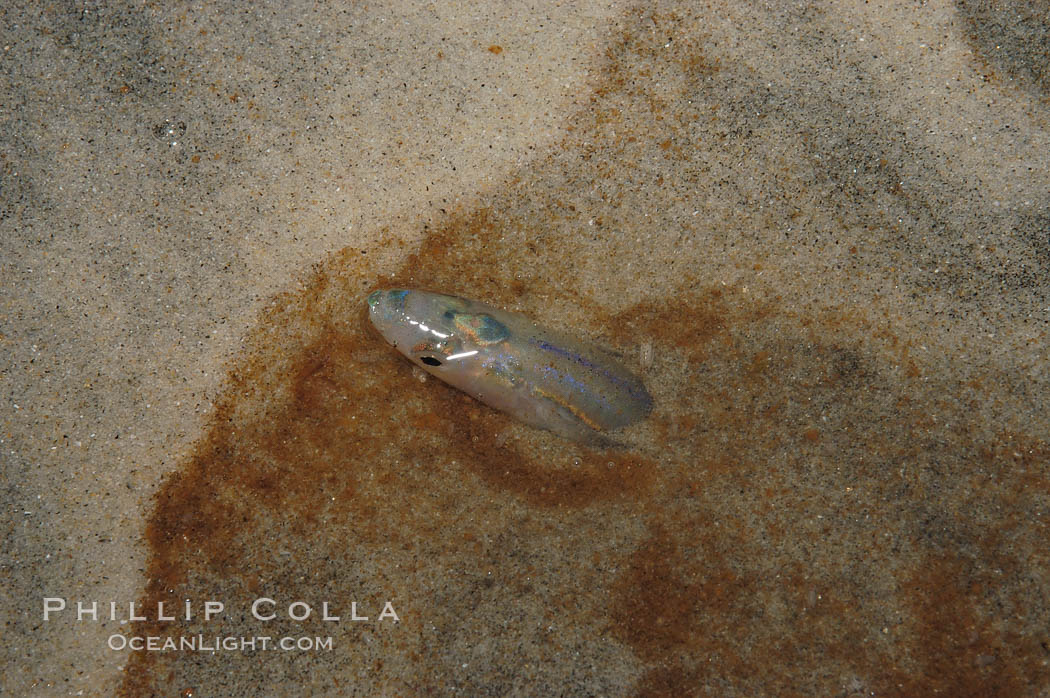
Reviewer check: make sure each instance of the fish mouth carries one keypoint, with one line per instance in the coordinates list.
(373, 299)
(386, 308)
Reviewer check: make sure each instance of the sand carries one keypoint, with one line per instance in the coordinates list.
(821, 235)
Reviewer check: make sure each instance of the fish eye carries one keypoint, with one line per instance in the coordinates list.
(430, 361)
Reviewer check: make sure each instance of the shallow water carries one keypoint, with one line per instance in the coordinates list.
(815, 487)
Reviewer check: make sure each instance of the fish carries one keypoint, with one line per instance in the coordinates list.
(542, 377)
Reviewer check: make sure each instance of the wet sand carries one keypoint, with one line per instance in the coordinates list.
(830, 226)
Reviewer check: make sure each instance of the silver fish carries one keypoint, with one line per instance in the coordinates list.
(540, 376)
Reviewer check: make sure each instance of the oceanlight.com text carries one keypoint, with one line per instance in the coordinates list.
(219, 643)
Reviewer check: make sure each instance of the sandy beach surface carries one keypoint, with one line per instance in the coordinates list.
(820, 234)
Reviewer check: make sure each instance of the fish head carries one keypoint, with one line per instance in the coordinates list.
(438, 332)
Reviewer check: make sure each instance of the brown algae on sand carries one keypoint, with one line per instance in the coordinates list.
(540, 376)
